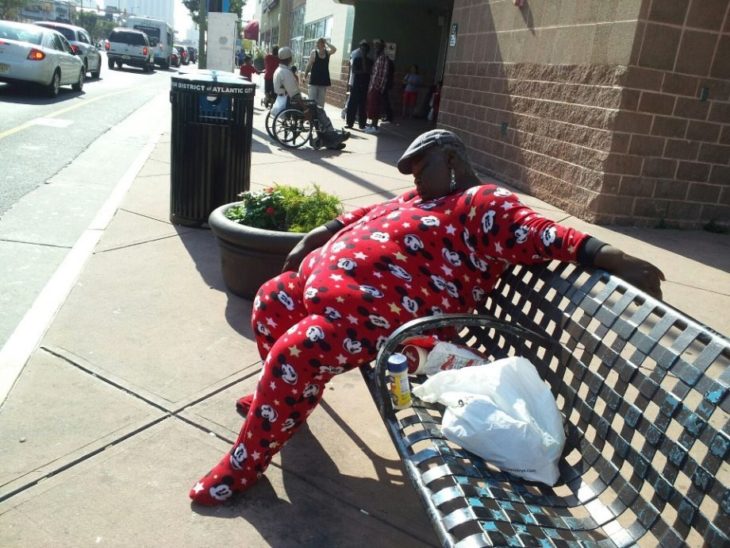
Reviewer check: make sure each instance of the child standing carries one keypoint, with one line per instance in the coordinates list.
(247, 69)
(411, 82)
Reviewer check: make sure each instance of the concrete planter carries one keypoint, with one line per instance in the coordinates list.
(249, 256)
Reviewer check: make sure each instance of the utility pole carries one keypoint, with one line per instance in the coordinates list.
(202, 27)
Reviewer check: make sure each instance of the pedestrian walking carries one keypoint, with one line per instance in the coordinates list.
(377, 86)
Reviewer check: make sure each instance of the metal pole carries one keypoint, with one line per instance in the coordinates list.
(202, 27)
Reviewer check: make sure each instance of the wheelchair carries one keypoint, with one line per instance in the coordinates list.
(293, 127)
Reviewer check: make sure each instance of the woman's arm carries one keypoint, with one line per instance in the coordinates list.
(638, 272)
(310, 63)
(314, 239)
(330, 48)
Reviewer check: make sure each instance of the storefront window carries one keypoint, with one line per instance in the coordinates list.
(297, 37)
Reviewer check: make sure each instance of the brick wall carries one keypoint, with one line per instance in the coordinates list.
(596, 106)
(672, 138)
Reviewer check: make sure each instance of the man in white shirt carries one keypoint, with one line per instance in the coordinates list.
(287, 86)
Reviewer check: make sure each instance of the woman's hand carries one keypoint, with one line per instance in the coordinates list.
(315, 238)
(295, 257)
(638, 272)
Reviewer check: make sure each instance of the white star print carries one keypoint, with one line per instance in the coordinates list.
(272, 385)
(271, 322)
(448, 271)
(445, 303)
(352, 319)
(255, 455)
(342, 360)
(507, 206)
(360, 255)
(498, 247)
(198, 488)
(378, 275)
(336, 277)
(451, 230)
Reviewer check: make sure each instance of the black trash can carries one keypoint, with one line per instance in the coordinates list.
(212, 116)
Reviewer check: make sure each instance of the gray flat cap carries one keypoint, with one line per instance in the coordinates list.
(435, 137)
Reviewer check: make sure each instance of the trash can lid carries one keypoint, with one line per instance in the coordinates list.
(212, 82)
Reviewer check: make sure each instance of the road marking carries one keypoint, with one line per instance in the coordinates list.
(29, 332)
(83, 103)
(51, 122)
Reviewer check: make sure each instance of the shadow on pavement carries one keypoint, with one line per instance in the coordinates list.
(700, 246)
(203, 249)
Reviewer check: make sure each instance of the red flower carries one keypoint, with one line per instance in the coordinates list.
(270, 211)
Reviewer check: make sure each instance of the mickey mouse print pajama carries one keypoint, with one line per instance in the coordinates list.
(392, 262)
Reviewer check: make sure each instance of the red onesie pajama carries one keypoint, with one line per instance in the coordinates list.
(390, 263)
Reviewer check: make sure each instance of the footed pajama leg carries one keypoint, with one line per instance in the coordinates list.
(301, 361)
(277, 306)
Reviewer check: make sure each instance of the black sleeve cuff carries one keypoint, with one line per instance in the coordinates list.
(333, 226)
(588, 249)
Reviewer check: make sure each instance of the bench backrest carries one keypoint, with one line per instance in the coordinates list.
(644, 390)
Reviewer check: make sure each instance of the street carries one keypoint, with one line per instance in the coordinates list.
(62, 159)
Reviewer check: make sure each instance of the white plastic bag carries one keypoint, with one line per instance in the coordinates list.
(444, 356)
(503, 412)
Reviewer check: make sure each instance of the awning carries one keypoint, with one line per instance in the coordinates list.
(251, 30)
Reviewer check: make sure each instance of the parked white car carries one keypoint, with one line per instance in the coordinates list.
(29, 53)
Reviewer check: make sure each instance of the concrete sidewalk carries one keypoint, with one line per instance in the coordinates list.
(130, 396)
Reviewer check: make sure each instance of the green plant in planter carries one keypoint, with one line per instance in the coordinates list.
(285, 208)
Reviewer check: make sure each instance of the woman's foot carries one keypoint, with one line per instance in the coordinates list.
(244, 404)
(225, 479)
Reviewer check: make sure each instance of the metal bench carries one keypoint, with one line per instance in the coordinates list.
(644, 394)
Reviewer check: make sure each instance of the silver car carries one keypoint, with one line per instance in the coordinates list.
(29, 53)
(81, 44)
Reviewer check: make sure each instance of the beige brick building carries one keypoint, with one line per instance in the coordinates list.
(617, 111)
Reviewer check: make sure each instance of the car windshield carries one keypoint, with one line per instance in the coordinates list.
(131, 38)
(20, 32)
(152, 33)
(68, 33)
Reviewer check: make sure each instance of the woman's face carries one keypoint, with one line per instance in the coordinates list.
(320, 43)
(432, 173)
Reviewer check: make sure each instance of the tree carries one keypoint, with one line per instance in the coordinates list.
(98, 27)
(194, 8)
(9, 9)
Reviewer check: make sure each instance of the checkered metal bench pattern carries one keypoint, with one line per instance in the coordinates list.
(644, 394)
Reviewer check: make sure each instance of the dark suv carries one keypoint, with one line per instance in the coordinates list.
(129, 47)
(81, 45)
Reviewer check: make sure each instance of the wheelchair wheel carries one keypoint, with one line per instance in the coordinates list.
(268, 124)
(291, 128)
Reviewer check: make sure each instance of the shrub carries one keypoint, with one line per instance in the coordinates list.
(285, 208)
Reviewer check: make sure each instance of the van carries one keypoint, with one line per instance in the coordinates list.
(129, 47)
(160, 35)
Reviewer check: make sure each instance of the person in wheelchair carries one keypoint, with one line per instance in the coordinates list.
(286, 87)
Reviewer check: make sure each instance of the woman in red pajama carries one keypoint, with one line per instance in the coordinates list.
(437, 249)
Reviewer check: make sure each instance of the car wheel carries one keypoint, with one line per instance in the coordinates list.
(79, 86)
(86, 66)
(110, 64)
(96, 73)
(119, 64)
(53, 88)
